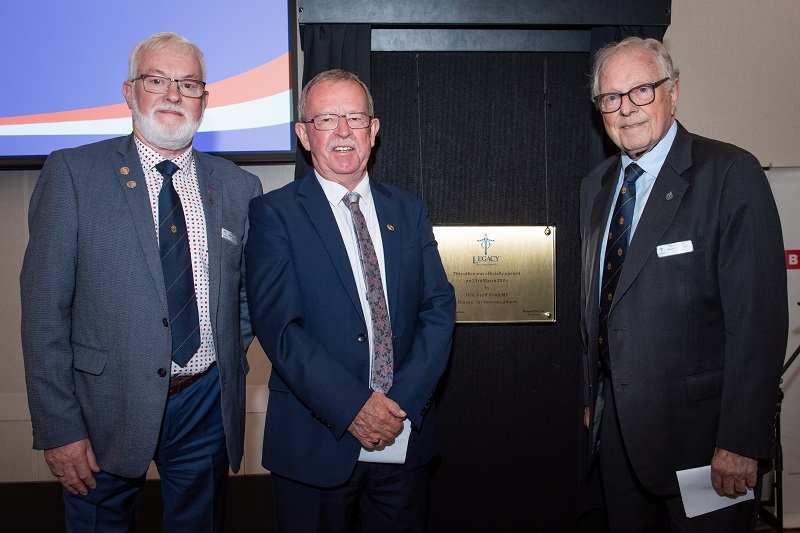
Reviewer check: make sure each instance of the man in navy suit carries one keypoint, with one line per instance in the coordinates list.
(683, 361)
(106, 397)
(339, 446)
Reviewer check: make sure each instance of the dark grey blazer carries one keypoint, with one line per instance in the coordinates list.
(96, 349)
(697, 340)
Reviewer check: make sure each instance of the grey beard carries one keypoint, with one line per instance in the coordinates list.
(163, 136)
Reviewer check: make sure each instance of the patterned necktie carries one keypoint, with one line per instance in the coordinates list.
(619, 234)
(176, 263)
(382, 359)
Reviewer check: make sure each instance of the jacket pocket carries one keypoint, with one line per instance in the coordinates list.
(89, 360)
(705, 385)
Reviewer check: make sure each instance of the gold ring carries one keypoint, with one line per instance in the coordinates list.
(376, 442)
(59, 475)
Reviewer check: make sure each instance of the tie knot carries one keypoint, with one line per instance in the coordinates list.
(351, 198)
(632, 172)
(167, 168)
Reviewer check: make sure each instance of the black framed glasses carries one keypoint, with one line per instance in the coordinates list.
(160, 85)
(330, 121)
(640, 95)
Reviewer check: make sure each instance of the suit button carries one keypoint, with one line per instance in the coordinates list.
(362, 337)
(166, 323)
(162, 372)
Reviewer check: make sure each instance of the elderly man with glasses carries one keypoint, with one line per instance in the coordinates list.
(684, 306)
(134, 324)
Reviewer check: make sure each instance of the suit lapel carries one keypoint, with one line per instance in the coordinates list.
(314, 201)
(658, 214)
(597, 226)
(211, 194)
(386, 208)
(128, 169)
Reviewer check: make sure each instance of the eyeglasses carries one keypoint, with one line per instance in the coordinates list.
(160, 85)
(640, 95)
(328, 121)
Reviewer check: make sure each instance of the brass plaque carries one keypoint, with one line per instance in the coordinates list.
(501, 273)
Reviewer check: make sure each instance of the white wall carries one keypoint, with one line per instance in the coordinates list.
(740, 73)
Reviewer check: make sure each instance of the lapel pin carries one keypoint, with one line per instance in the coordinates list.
(669, 195)
(389, 227)
(131, 184)
(124, 171)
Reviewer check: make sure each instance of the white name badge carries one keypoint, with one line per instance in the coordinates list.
(675, 248)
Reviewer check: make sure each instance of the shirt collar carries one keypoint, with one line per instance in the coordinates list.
(184, 160)
(652, 161)
(334, 192)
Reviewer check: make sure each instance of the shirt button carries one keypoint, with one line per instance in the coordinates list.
(166, 323)
(162, 372)
(361, 337)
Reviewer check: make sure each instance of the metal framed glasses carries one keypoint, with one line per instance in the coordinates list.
(160, 85)
(640, 95)
(329, 121)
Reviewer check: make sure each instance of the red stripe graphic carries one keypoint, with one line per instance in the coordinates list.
(260, 82)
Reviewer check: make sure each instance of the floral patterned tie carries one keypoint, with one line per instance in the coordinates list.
(382, 359)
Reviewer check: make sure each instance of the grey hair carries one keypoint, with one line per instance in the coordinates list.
(162, 40)
(332, 75)
(651, 46)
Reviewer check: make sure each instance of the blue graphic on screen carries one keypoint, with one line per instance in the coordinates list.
(64, 63)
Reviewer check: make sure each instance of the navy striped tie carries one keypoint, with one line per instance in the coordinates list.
(619, 236)
(176, 263)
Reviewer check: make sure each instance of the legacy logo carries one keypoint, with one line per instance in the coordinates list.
(485, 259)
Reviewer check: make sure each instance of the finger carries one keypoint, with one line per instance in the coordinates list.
(69, 488)
(84, 472)
(729, 487)
(716, 482)
(90, 457)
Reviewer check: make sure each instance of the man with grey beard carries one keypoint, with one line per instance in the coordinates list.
(134, 319)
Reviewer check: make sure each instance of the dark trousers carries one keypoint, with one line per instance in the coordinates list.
(377, 497)
(632, 509)
(192, 462)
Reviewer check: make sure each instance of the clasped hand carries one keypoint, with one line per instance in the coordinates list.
(378, 423)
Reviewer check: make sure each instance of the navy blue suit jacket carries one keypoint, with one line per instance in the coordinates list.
(308, 317)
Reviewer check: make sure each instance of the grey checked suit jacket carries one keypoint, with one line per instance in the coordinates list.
(96, 349)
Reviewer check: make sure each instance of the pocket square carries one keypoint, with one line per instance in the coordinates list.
(229, 236)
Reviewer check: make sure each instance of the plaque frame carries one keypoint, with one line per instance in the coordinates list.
(502, 274)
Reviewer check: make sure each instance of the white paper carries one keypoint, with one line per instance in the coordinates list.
(395, 454)
(699, 496)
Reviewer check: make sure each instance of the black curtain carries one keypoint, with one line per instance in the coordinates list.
(497, 137)
(327, 46)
